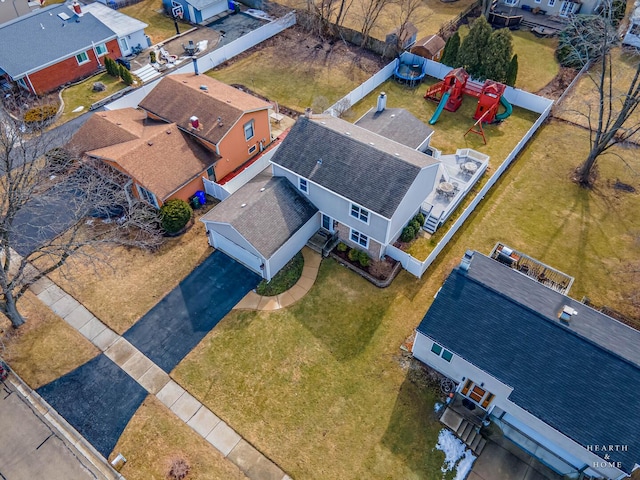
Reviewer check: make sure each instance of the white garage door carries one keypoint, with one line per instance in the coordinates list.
(235, 251)
(213, 10)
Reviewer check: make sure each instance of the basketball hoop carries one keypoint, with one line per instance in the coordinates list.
(178, 12)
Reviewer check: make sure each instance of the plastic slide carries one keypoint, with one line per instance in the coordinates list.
(443, 102)
(508, 110)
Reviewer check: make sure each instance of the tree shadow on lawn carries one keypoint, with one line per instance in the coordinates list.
(412, 432)
(343, 310)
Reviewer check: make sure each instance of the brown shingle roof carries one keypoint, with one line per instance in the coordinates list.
(107, 128)
(179, 97)
(162, 158)
(431, 45)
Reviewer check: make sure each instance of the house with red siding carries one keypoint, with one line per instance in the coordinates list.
(54, 46)
(232, 124)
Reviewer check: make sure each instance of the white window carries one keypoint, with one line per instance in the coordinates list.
(82, 58)
(147, 196)
(551, 3)
(124, 46)
(511, 3)
(248, 130)
(538, 1)
(101, 49)
(303, 186)
(359, 213)
(359, 238)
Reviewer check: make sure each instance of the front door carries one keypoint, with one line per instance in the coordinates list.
(124, 46)
(475, 392)
(567, 8)
(327, 223)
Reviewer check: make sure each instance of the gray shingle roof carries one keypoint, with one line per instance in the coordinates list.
(357, 164)
(581, 380)
(396, 124)
(42, 38)
(269, 217)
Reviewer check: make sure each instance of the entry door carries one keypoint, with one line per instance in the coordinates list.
(327, 223)
(124, 46)
(566, 8)
(476, 393)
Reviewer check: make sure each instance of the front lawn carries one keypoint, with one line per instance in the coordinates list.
(155, 437)
(82, 94)
(284, 279)
(45, 347)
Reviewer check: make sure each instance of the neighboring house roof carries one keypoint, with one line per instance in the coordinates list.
(107, 128)
(202, 4)
(179, 97)
(159, 156)
(396, 124)
(42, 38)
(269, 217)
(13, 9)
(577, 378)
(360, 165)
(120, 23)
(430, 45)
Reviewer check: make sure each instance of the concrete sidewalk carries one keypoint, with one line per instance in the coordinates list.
(203, 421)
(253, 301)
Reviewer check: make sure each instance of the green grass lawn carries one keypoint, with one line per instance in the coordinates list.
(306, 76)
(83, 95)
(537, 64)
(317, 387)
(451, 127)
(160, 26)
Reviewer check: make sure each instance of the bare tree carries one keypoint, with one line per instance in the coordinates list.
(46, 209)
(610, 119)
(407, 10)
(371, 10)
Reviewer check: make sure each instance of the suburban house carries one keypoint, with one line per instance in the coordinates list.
(361, 187)
(196, 11)
(160, 161)
(230, 123)
(10, 9)
(546, 372)
(53, 46)
(632, 37)
(430, 47)
(562, 8)
(129, 31)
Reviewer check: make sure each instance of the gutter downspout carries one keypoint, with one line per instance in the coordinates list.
(95, 52)
(31, 85)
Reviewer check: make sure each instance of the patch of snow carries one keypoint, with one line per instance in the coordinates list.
(456, 454)
(79, 109)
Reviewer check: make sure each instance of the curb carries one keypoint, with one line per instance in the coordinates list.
(69, 433)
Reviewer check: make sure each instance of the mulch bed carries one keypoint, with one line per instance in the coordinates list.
(379, 269)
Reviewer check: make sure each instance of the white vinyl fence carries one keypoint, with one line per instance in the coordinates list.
(211, 59)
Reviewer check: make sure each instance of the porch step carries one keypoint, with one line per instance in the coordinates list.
(431, 224)
(451, 419)
(480, 446)
(146, 73)
(464, 430)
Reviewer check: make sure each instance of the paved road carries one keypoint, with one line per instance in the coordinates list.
(31, 448)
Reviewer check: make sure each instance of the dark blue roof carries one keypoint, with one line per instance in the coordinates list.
(570, 382)
(42, 38)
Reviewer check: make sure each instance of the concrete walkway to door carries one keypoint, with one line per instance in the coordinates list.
(253, 301)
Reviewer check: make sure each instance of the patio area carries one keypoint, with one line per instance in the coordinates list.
(458, 174)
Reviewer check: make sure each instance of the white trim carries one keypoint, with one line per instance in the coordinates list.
(144, 198)
(101, 45)
(359, 234)
(252, 149)
(84, 61)
(251, 124)
(360, 211)
(304, 190)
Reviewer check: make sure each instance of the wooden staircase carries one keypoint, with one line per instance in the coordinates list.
(464, 430)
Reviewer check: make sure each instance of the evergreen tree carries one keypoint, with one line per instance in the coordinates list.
(450, 53)
(474, 47)
(512, 72)
(111, 67)
(495, 61)
(126, 76)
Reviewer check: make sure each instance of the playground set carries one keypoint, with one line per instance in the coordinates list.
(449, 93)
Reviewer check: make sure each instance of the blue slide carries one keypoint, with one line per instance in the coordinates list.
(507, 112)
(443, 102)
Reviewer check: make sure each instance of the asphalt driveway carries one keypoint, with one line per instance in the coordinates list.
(98, 399)
(171, 329)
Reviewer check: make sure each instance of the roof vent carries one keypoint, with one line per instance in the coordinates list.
(566, 313)
(397, 154)
(204, 88)
(466, 260)
(149, 143)
(168, 132)
(220, 121)
(371, 143)
(319, 161)
(382, 102)
(347, 133)
(243, 205)
(262, 189)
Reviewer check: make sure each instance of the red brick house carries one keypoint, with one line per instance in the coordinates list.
(53, 46)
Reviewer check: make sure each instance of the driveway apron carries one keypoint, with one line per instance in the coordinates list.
(171, 329)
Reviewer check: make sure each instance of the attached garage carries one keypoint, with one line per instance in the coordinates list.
(263, 224)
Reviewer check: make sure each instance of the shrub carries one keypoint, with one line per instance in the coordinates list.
(40, 114)
(420, 219)
(174, 215)
(416, 226)
(111, 66)
(363, 259)
(353, 255)
(152, 56)
(342, 247)
(126, 76)
(408, 234)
